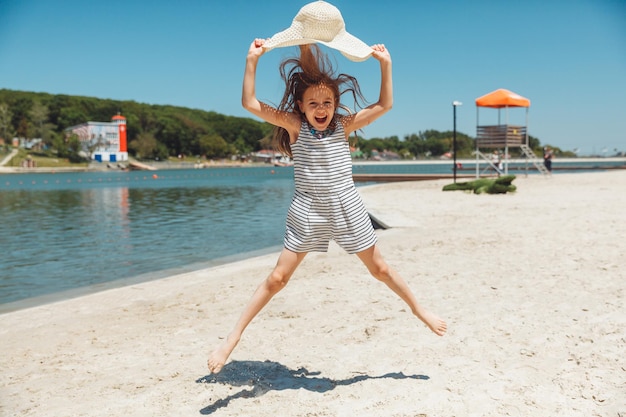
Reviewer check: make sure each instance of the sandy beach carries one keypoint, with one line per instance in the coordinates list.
(531, 284)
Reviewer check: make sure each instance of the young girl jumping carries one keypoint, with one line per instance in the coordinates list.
(326, 204)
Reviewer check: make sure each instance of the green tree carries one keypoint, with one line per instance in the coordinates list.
(60, 145)
(23, 128)
(6, 128)
(74, 150)
(534, 143)
(393, 143)
(71, 116)
(145, 146)
(42, 128)
(173, 134)
(214, 146)
(20, 107)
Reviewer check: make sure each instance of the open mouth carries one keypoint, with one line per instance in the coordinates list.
(321, 120)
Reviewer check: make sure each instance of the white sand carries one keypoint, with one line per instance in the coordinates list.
(531, 283)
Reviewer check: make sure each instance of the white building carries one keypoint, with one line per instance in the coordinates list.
(104, 141)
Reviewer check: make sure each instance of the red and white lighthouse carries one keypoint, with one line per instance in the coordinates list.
(121, 126)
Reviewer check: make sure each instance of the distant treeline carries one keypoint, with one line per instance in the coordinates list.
(160, 131)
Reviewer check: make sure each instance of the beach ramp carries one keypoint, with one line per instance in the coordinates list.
(140, 166)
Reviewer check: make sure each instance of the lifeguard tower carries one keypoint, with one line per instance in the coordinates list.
(503, 136)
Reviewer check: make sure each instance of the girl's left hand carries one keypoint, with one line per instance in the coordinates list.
(380, 52)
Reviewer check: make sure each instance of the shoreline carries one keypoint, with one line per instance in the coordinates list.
(191, 165)
(86, 290)
(531, 284)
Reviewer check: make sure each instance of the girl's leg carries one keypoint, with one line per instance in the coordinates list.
(377, 266)
(287, 263)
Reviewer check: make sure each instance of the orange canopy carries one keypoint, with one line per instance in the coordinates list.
(502, 98)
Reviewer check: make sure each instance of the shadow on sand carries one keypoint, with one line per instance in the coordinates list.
(262, 377)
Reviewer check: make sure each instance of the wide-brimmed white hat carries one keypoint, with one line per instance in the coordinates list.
(321, 22)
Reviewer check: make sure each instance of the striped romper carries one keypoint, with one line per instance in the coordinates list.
(326, 204)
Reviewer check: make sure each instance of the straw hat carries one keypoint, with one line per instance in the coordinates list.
(320, 22)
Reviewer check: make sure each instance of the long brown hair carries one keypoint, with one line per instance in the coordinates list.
(312, 68)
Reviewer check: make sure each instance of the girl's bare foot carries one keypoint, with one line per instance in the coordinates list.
(434, 323)
(219, 356)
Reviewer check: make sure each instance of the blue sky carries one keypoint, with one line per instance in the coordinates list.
(567, 56)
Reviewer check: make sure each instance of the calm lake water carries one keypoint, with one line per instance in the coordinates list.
(68, 231)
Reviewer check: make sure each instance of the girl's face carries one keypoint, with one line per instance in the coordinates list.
(318, 105)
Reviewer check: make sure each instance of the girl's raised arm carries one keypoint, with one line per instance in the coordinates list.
(248, 94)
(385, 99)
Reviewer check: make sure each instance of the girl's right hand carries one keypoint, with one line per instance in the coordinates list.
(256, 48)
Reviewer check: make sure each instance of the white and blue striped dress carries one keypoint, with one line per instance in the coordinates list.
(326, 204)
